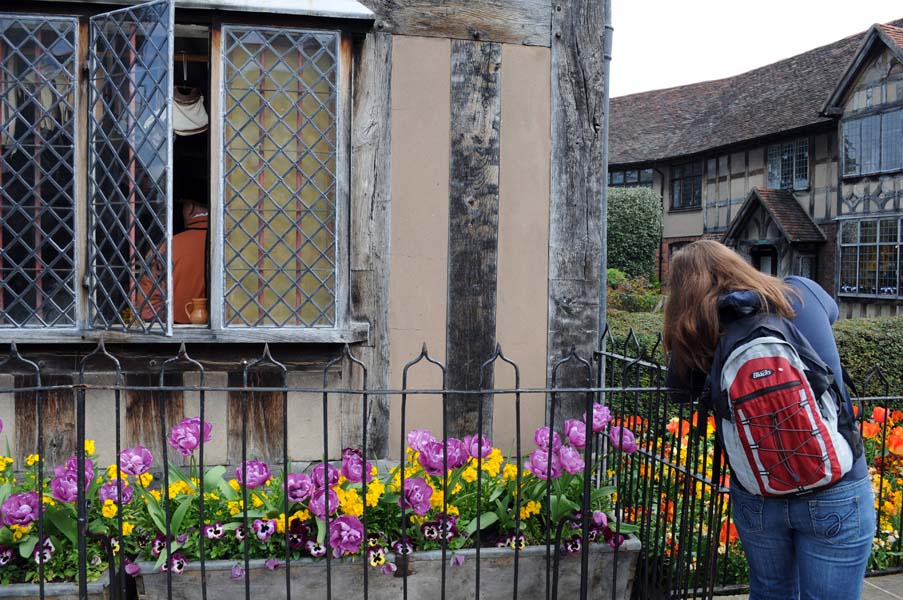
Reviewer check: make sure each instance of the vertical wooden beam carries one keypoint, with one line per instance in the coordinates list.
(577, 218)
(58, 420)
(371, 219)
(476, 111)
(263, 418)
(142, 409)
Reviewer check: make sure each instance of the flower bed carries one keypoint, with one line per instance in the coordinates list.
(455, 494)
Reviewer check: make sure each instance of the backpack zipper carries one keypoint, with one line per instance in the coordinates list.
(767, 390)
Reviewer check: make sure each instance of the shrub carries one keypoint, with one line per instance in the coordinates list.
(634, 229)
(635, 294)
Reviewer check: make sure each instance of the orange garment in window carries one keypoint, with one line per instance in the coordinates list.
(188, 278)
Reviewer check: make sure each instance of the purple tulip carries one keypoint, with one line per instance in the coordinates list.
(417, 494)
(237, 572)
(575, 432)
(571, 460)
(539, 463)
(318, 503)
(331, 478)
(110, 491)
(186, 436)
(345, 535)
(431, 458)
(257, 474)
(263, 529)
(353, 466)
(20, 509)
(389, 568)
(135, 461)
(64, 488)
(418, 438)
(601, 418)
(131, 568)
(541, 438)
(457, 560)
(457, 453)
(622, 439)
(477, 445)
(71, 468)
(298, 487)
(600, 519)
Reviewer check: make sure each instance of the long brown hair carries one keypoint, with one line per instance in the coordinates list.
(699, 274)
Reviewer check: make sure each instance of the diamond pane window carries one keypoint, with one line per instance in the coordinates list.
(37, 171)
(128, 172)
(280, 131)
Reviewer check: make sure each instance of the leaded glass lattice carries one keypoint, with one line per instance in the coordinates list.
(280, 133)
(129, 163)
(37, 171)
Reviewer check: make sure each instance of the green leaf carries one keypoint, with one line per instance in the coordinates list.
(65, 521)
(26, 547)
(486, 519)
(213, 478)
(5, 491)
(156, 514)
(179, 515)
(321, 531)
(6, 536)
(226, 490)
(562, 507)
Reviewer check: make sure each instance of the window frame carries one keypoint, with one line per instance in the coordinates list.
(796, 160)
(697, 186)
(645, 177)
(343, 329)
(858, 120)
(857, 247)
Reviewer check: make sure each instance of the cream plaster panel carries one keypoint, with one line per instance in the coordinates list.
(681, 224)
(756, 181)
(305, 414)
(738, 163)
(738, 188)
(418, 290)
(522, 302)
(100, 413)
(757, 159)
(216, 412)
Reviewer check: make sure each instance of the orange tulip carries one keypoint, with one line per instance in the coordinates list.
(870, 430)
(895, 441)
(879, 414)
(729, 533)
(897, 416)
(678, 427)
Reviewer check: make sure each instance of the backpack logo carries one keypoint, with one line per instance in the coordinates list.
(762, 373)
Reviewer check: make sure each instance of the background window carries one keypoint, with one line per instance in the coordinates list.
(873, 144)
(788, 165)
(630, 178)
(870, 257)
(686, 185)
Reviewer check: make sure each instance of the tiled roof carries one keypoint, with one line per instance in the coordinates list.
(893, 33)
(787, 213)
(779, 97)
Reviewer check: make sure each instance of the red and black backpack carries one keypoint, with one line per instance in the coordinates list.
(779, 412)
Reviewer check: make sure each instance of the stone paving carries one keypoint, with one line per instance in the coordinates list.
(886, 587)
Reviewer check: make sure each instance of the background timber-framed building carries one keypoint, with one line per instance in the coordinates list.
(380, 173)
(798, 165)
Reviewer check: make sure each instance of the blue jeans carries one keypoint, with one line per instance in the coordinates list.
(812, 547)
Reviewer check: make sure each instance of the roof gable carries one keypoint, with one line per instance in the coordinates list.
(794, 223)
(772, 100)
(878, 36)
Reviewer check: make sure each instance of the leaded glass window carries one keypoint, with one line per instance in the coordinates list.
(870, 257)
(788, 165)
(37, 172)
(873, 144)
(280, 131)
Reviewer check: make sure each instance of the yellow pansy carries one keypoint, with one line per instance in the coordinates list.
(233, 483)
(89, 447)
(20, 531)
(436, 499)
(156, 494)
(509, 473)
(375, 490)
(145, 479)
(234, 507)
(127, 528)
(31, 459)
(469, 475)
(109, 509)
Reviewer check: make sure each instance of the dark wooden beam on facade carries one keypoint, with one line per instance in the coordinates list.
(261, 413)
(371, 204)
(473, 221)
(577, 217)
(510, 21)
(57, 420)
(142, 410)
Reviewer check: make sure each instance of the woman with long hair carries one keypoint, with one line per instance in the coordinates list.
(814, 545)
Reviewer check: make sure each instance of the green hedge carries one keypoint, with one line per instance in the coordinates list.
(863, 344)
(634, 229)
